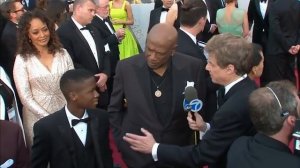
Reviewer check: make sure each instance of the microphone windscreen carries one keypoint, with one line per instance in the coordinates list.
(190, 93)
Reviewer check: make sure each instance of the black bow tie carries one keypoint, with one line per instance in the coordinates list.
(76, 121)
(84, 28)
(264, 1)
(106, 19)
(164, 9)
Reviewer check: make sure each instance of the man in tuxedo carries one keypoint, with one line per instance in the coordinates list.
(192, 20)
(86, 45)
(12, 11)
(152, 84)
(228, 66)
(76, 135)
(159, 15)
(210, 27)
(273, 111)
(29, 4)
(258, 14)
(283, 39)
(111, 37)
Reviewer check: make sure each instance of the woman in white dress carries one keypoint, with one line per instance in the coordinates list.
(39, 65)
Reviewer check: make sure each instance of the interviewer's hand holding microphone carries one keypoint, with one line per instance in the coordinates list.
(196, 123)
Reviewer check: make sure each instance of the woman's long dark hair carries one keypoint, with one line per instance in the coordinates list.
(25, 46)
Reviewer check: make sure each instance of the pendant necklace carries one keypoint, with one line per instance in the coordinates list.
(158, 92)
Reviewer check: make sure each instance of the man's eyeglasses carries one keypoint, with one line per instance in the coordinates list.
(19, 10)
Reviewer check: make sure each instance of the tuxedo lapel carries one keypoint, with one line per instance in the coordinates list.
(94, 126)
(267, 10)
(83, 40)
(142, 72)
(110, 24)
(66, 135)
(178, 87)
(157, 16)
(257, 4)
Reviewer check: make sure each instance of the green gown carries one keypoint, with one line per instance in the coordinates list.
(235, 26)
(128, 46)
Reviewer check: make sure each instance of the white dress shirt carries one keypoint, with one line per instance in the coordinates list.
(163, 16)
(263, 8)
(81, 127)
(89, 38)
(190, 35)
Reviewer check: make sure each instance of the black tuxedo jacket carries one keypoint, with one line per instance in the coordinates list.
(229, 123)
(155, 18)
(8, 47)
(261, 25)
(79, 49)
(12, 145)
(187, 46)
(284, 26)
(260, 151)
(110, 39)
(132, 81)
(212, 7)
(53, 141)
(30, 6)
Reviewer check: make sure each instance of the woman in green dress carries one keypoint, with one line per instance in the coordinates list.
(121, 16)
(232, 20)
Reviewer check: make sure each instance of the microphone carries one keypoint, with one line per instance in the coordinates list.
(296, 136)
(191, 103)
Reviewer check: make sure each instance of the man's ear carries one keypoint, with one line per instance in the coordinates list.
(73, 96)
(291, 120)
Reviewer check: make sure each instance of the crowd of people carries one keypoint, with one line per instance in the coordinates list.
(74, 82)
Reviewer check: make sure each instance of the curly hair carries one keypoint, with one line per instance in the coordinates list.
(25, 46)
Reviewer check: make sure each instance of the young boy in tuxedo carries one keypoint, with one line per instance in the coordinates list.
(76, 135)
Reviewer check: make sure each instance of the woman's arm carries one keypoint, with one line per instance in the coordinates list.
(21, 78)
(245, 25)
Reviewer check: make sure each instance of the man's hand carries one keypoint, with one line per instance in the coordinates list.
(139, 143)
(172, 14)
(294, 49)
(213, 28)
(101, 83)
(197, 125)
(120, 33)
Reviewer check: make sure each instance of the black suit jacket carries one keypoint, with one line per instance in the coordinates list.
(30, 6)
(132, 81)
(260, 151)
(110, 39)
(187, 46)
(261, 24)
(284, 26)
(53, 141)
(229, 122)
(79, 49)
(12, 145)
(155, 18)
(212, 7)
(8, 47)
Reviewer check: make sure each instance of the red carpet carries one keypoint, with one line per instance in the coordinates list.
(117, 158)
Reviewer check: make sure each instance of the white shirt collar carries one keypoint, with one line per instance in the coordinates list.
(99, 17)
(78, 25)
(230, 85)
(190, 35)
(70, 116)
